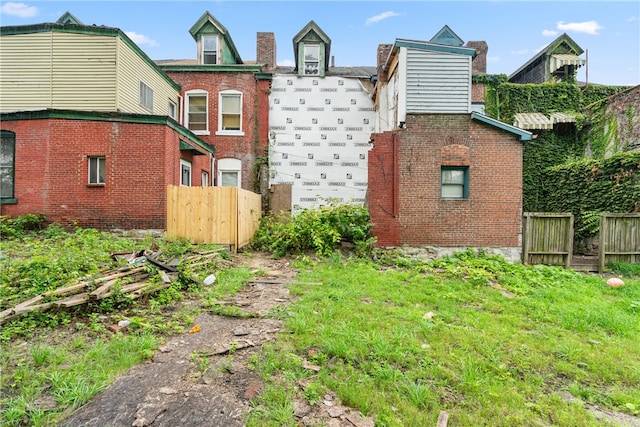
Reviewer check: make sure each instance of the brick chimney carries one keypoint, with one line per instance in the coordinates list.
(383, 54)
(479, 64)
(266, 50)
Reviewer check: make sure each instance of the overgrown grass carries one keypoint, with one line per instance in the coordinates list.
(490, 342)
(54, 362)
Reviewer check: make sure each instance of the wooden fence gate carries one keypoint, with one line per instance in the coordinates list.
(219, 215)
(547, 238)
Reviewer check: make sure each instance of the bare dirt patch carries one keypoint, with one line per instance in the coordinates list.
(202, 377)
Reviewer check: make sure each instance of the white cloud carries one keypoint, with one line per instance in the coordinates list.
(587, 27)
(549, 33)
(632, 19)
(493, 59)
(141, 39)
(380, 17)
(20, 10)
(519, 52)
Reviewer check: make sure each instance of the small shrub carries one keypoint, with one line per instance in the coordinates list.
(15, 227)
(320, 230)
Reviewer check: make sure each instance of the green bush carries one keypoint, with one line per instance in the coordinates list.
(320, 230)
(15, 227)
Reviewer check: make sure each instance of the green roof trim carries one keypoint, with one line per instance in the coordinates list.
(91, 30)
(522, 134)
(428, 46)
(109, 117)
(186, 146)
(207, 18)
(221, 68)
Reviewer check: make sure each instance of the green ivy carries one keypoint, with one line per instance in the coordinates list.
(587, 186)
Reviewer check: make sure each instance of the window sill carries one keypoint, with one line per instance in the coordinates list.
(96, 185)
(201, 132)
(230, 132)
(454, 198)
(7, 201)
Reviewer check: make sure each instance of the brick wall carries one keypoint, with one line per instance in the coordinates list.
(51, 171)
(255, 111)
(490, 217)
(266, 50)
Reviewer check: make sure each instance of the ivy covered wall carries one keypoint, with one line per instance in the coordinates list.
(585, 168)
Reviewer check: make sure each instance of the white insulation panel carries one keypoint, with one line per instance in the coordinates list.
(319, 138)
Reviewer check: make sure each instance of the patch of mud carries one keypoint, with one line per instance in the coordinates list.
(200, 378)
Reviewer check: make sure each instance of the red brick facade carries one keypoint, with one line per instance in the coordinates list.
(404, 184)
(141, 159)
(255, 115)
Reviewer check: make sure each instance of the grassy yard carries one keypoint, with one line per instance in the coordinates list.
(490, 342)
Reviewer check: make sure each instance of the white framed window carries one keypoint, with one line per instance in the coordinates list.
(454, 182)
(146, 96)
(311, 59)
(97, 170)
(230, 113)
(209, 49)
(229, 173)
(172, 110)
(204, 179)
(185, 173)
(196, 116)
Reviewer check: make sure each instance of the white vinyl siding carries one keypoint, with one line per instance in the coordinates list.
(438, 82)
(84, 72)
(131, 70)
(25, 88)
(76, 72)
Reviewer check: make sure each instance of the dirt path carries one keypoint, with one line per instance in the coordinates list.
(200, 378)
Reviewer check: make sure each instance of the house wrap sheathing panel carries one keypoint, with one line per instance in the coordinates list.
(319, 138)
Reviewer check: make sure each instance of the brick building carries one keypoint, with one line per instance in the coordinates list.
(225, 102)
(441, 173)
(103, 160)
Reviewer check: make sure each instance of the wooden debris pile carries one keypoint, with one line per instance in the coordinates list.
(130, 280)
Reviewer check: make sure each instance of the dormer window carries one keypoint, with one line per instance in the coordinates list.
(311, 60)
(209, 49)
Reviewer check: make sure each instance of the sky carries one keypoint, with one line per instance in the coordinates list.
(515, 31)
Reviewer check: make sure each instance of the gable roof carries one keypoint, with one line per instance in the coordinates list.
(68, 18)
(312, 26)
(523, 135)
(447, 36)
(551, 48)
(207, 20)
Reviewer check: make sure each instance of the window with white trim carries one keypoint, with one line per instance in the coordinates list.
(204, 179)
(185, 173)
(454, 182)
(311, 59)
(146, 96)
(230, 112)
(172, 110)
(209, 49)
(229, 173)
(196, 117)
(97, 170)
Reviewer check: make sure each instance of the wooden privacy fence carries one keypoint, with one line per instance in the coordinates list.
(218, 215)
(619, 238)
(547, 238)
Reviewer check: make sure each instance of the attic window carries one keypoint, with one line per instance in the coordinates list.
(311, 59)
(209, 49)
